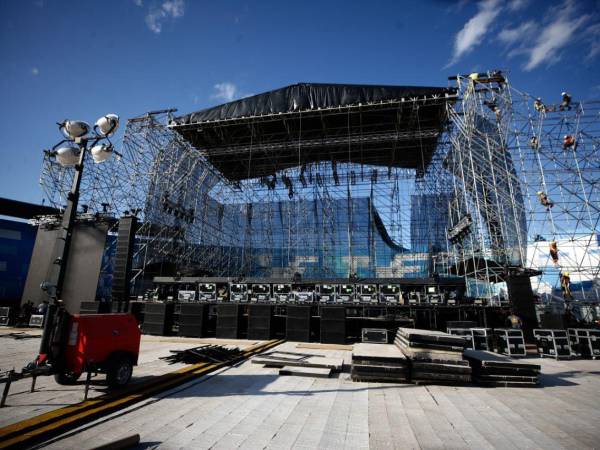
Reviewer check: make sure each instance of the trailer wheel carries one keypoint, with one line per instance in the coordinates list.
(66, 378)
(119, 370)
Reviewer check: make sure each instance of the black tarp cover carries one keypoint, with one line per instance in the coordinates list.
(307, 96)
(307, 123)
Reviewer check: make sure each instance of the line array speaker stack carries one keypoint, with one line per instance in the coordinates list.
(192, 319)
(229, 317)
(158, 318)
(333, 325)
(123, 257)
(260, 321)
(298, 323)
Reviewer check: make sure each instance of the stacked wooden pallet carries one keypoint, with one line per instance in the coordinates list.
(379, 362)
(492, 369)
(435, 357)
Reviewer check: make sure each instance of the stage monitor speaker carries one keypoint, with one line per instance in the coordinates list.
(260, 322)
(192, 319)
(123, 256)
(158, 319)
(229, 317)
(333, 325)
(298, 323)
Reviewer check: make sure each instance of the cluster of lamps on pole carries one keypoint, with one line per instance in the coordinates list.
(76, 132)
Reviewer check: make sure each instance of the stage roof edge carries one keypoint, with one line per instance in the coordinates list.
(310, 96)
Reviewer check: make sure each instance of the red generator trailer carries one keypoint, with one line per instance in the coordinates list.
(107, 343)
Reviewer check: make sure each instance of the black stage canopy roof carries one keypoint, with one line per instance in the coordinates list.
(395, 126)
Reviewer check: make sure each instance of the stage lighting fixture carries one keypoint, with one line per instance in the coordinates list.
(74, 129)
(107, 125)
(102, 152)
(67, 156)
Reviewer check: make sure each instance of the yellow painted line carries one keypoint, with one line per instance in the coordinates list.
(36, 427)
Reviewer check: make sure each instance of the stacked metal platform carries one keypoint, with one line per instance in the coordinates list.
(492, 369)
(379, 362)
(435, 357)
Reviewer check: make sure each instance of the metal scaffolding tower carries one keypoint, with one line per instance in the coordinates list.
(531, 195)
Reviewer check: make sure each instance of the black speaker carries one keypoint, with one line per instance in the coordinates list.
(192, 319)
(260, 322)
(520, 295)
(158, 318)
(229, 317)
(298, 323)
(137, 309)
(334, 313)
(123, 257)
(333, 325)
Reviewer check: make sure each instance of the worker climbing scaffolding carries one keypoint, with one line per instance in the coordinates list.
(544, 200)
(534, 143)
(554, 252)
(566, 102)
(539, 106)
(565, 285)
(569, 142)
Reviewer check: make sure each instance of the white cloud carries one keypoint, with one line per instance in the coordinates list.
(517, 35)
(225, 91)
(475, 29)
(35, 71)
(555, 36)
(516, 5)
(593, 34)
(138, 2)
(169, 9)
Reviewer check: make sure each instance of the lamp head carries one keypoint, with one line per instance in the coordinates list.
(102, 152)
(107, 125)
(74, 129)
(68, 155)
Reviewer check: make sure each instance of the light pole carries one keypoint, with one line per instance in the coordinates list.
(71, 152)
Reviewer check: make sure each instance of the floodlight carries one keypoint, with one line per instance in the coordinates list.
(102, 152)
(107, 125)
(67, 156)
(74, 128)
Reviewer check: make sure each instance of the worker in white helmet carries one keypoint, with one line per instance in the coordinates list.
(539, 105)
(566, 102)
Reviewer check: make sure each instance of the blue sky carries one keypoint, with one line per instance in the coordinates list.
(80, 59)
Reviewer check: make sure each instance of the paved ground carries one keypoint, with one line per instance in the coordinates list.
(16, 353)
(252, 407)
